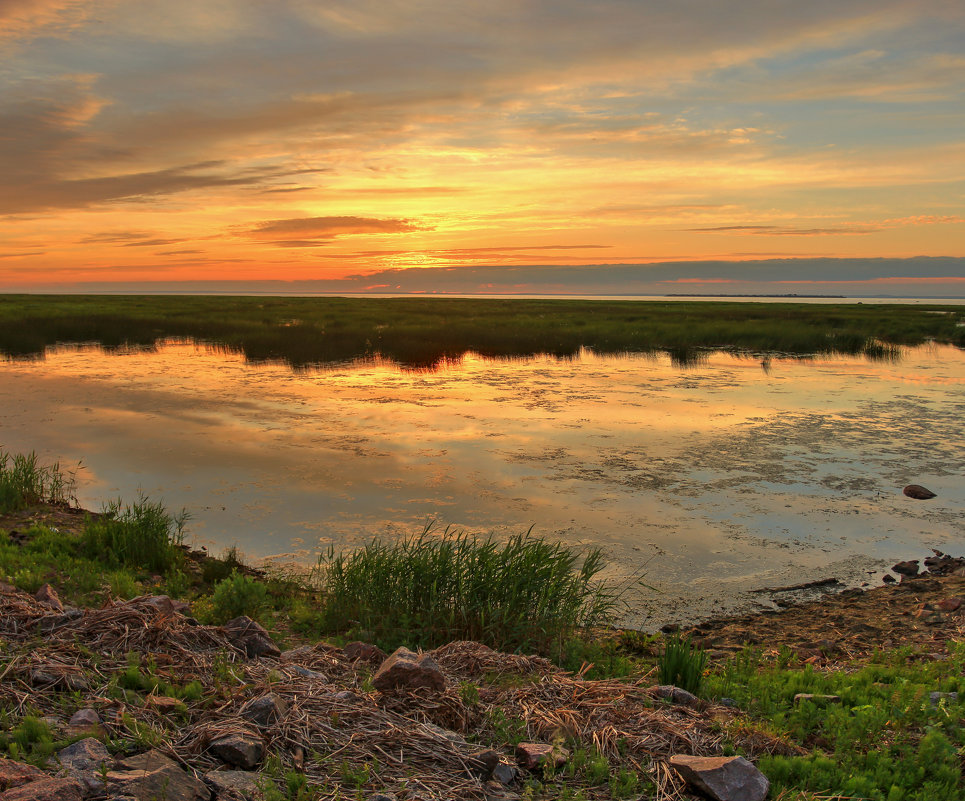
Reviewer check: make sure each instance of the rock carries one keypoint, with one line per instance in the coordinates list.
(918, 492)
(165, 605)
(888, 578)
(14, 774)
(408, 670)
(85, 717)
(675, 695)
(365, 652)
(948, 604)
(534, 755)
(936, 697)
(250, 637)
(241, 749)
(41, 677)
(47, 595)
(504, 773)
(482, 763)
(908, 568)
(234, 785)
(152, 775)
(722, 778)
(265, 710)
(820, 700)
(47, 789)
(308, 674)
(86, 754)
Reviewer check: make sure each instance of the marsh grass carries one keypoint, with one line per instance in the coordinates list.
(430, 589)
(142, 535)
(424, 332)
(25, 482)
(682, 664)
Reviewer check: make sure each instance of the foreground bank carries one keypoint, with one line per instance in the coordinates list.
(111, 687)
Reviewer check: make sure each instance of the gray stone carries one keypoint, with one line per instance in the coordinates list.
(265, 710)
(86, 754)
(235, 785)
(243, 750)
(482, 763)
(675, 695)
(936, 697)
(85, 717)
(408, 670)
(504, 773)
(301, 670)
(722, 778)
(251, 637)
(152, 775)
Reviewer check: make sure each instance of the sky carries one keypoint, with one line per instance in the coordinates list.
(505, 146)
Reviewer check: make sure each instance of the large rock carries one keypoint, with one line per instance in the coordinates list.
(47, 789)
(918, 492)
(722, 778)
(152, 775)
(47, 595)
(250, 637)
(364, 651)
(239, 749)
(408, 670)
(676, 695)
(907, 568)
(14, 774)
(265, 710)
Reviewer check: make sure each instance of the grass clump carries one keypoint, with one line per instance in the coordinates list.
(430, 589)
(25, 482)
(682, 664)
(143, 536)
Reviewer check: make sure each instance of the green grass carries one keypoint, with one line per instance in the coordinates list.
(430, 589)
(143, 535)
(682, 664)
(24, 482)
(885, 741)
(421, 332)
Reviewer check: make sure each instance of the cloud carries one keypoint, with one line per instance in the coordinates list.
(316, 231)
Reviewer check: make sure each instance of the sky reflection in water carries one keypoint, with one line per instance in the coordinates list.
(714, 479)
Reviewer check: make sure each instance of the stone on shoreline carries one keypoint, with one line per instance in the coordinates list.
(918, 492)
(722, 778)
(408, 670)
(251, 637)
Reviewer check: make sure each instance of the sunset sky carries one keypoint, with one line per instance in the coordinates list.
(505, 145)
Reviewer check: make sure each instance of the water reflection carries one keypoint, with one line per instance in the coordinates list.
(735, 472)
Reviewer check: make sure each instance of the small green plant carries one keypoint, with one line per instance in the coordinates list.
(682, 664)
(25, 482)
(238, 595)
(469, 693)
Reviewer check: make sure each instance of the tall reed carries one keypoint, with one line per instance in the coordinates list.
(25, 482)
(143, 535)
(431, 588)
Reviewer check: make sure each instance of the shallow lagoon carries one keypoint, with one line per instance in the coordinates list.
(712, 480)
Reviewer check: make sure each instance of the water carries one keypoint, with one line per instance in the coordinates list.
(712, 480)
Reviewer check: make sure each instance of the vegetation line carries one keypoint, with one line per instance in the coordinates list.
(422, 332)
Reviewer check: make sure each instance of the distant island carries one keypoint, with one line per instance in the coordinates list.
(746, 295)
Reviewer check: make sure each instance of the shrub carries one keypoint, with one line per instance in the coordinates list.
(238, 595)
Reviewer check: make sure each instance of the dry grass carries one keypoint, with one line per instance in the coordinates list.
(337, 725)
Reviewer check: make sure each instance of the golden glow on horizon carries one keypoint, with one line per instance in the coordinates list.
(503, 136)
